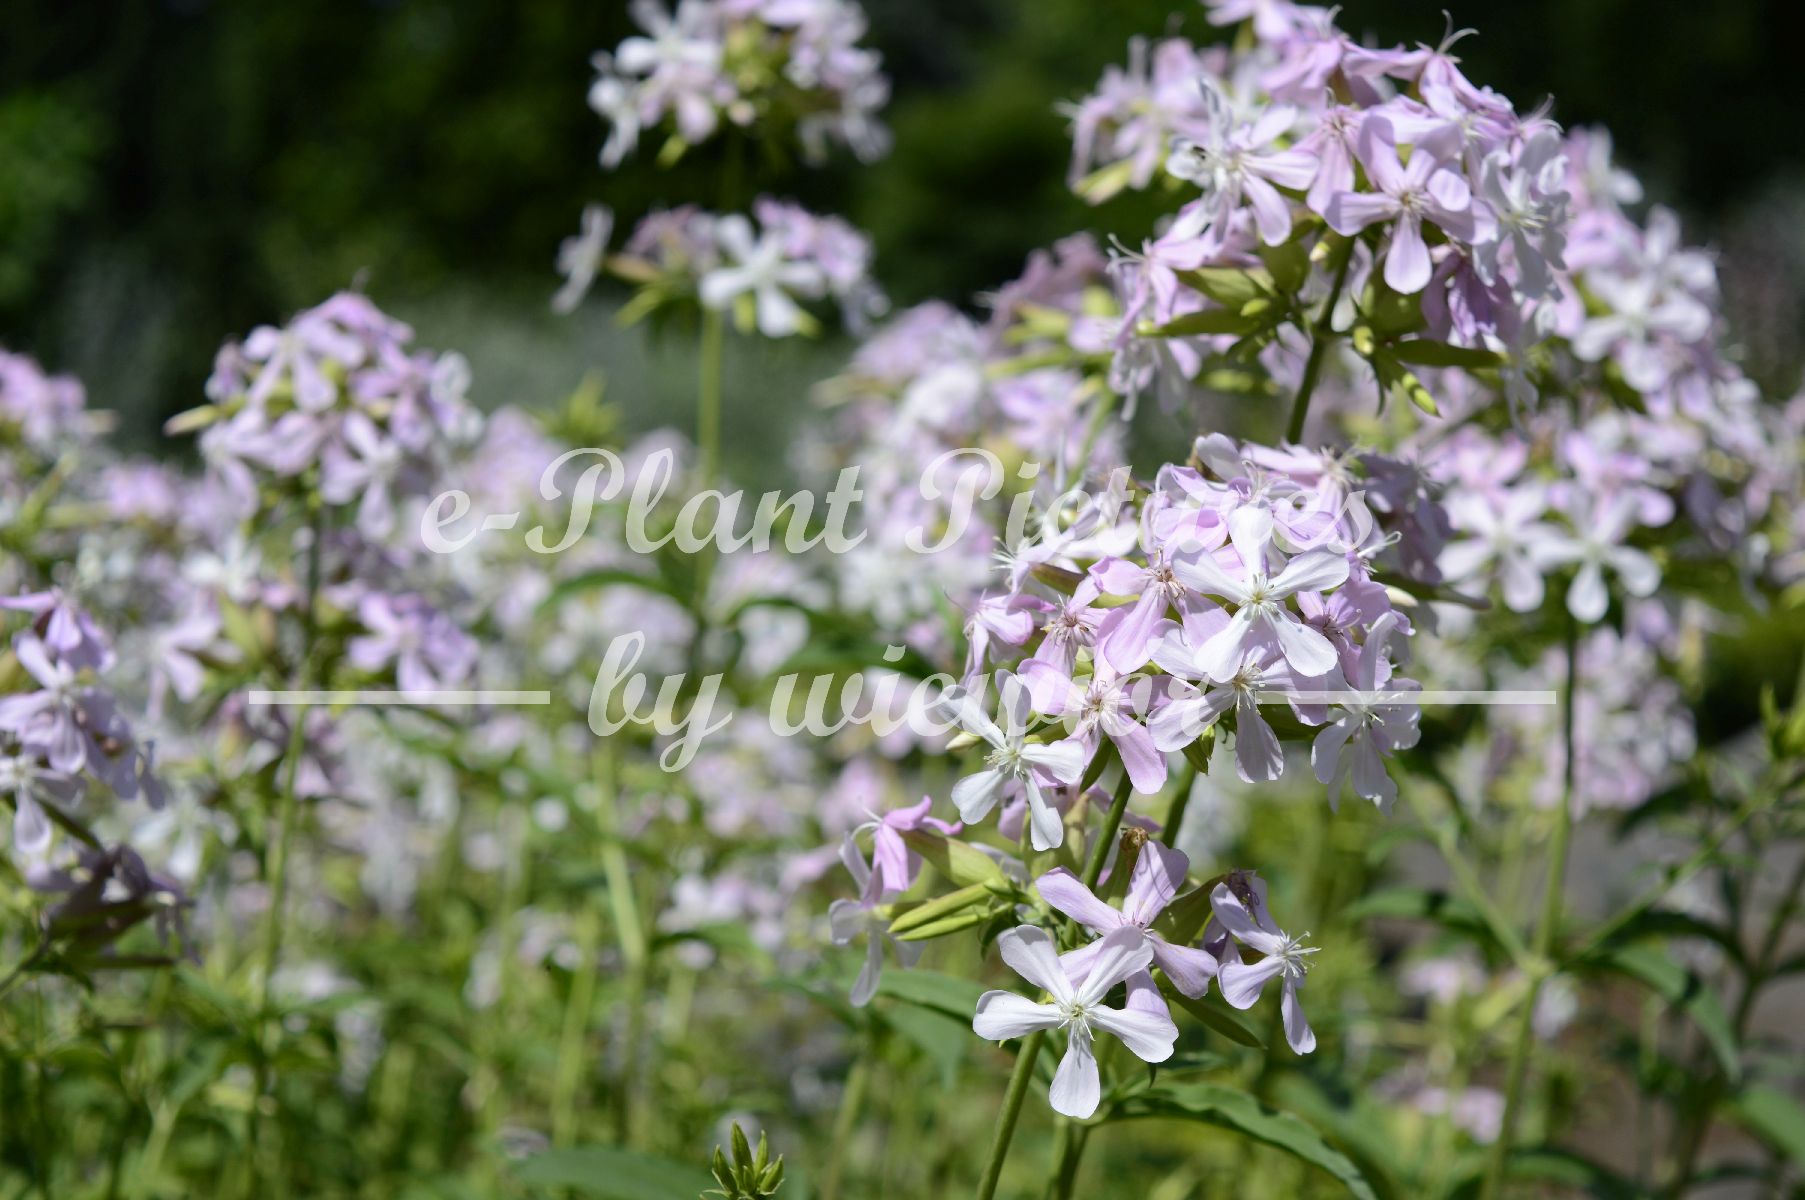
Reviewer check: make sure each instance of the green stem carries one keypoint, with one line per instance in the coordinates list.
(276, 867)
(577, 1009)
(852, 1098)
(1466, 877)
(1068, 1150)
(1692, 1139)
(1024, 1059)
(1175, 815)
(1320, 335)
(708, 394)
(1012, 1108)
(1106, 836)
(629, 932)
(1552, 894)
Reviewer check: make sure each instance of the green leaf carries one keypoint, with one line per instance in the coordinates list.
(1397, 380)
(946, 994)
(1231, 287)
(1217, 1016)
(1774, 1117)
(956, 923)
(1209, 321)
(940, 1038)
(1390, 314)
(1289, 264)
(1425, 353)
(1681, 988)
(1419, 904)
(606, 577)
(614, 1173)
(962, 864)
(1230, 1108)
(1105, 182)
(1545, 1164)
(1666, 923)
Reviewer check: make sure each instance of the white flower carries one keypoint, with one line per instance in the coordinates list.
(1012, 757)
(758, 266)
(1597, 543)
(1508, 542)
(1145, 1026)
(1286, 958)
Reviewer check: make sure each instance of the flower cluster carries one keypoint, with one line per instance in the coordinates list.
(762, 269)
(959, 424)
(41, 411)
(795, 67)
(1244, 581)
(337, 396)
(63, 729)
(1128, 948)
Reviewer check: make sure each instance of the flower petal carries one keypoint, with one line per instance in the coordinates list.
(1005, 1015)
(1032, 954)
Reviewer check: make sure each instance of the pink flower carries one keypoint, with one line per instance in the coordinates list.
(1159, 871)
(1424, 190)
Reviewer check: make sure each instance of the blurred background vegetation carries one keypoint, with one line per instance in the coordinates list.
(176, 171)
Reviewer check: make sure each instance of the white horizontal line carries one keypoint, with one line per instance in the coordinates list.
(401, 697)
(1407, 696)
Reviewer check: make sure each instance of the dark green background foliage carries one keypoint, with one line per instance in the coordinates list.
(176, 171)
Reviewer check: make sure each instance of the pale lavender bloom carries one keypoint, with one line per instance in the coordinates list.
(837, 250)
(1352, 748)
(1331, 143)
(1353, 606)
(428, 650)
(1286, 959)
(893, 863)
(1508, 543)
(676, 67)
(1190, 710)
(1012, 758)
(1608, 458)
(1105, 705)
(46, 409)
(1639, 317)
(1445, 125)
(1444, 979)
(64, 719)
(1273, 20)
(106, 892)
(1408, 195)
(300, 355)
(1600, 525)
(1159, 871)
(1002, 620)
(366, 466)
(580, 257)
(68, 632)
(142, 491)
(32, 788)
(1261, 616)
(1129, 122)
(1077, 1008)
(1527, 202)
(1235, 161)
(848, 919)
(1125, 635)
(177, 665)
